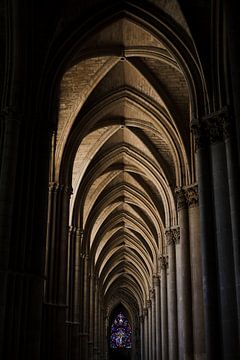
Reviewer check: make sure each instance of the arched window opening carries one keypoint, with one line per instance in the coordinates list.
(121, 333)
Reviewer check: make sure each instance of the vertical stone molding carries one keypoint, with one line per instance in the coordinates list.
(172, 238)
(184, 300)
(196, 273)
(234, 197)
(146, 343)
(156, 285)
(56, 313)
(225, 250)
(150, 328)
(208, 252)
(91, 314)
(219, 253)
(163, 259)
(153, 311)
(10, 128)
(141, 322)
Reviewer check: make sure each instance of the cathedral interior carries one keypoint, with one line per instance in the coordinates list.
(119, 180)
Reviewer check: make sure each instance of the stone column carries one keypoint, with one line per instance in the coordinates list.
(96, 324)
(149, 307)
(196, 272)
(72, 323)
(184, 281)
(153, 308)
(172, 238)
(10, 123)
(85, 307)
(101, 330)
(234, 197)
(141, 321)
(156, 284)
(91, 316)
(233, 139)
(208, 242)
(216, 125)
(164, 310)
(146, 344)
(55, 307)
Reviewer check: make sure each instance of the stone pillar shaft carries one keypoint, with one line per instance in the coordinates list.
(55, 305)
(149, 307)
(196, 274)
(156, 283)
(226, 272)
(184, 281)
(208, 250)
(141, 321)
(164, 310)
(234, 197)
(216, 233)
(172, 237)
(153, 310)
(146, 344)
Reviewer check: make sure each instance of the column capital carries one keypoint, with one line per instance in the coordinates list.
(172, 235)
(199, 135)
(68, 190)
(211, 128)
(163, 261)
(181, 198)
(217, 125)
(80, 232)
(54, 186)
(192, 195)
(84, 255)
(72, 229)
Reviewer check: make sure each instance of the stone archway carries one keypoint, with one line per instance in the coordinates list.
(123, 146)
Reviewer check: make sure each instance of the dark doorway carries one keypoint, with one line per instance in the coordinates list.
(120, 354)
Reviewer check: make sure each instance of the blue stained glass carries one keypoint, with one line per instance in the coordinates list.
(121, 333)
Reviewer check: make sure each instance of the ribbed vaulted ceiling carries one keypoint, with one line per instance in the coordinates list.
(123, 141)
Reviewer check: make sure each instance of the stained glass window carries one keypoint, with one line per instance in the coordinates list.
(121, 333)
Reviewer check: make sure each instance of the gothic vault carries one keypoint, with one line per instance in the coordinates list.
(119, 195)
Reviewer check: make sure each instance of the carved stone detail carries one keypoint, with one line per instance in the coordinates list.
(181, 198)
(199, 134)
(192, 196)
(172, 236)
(212, 128)
(55, 187)
(163, 262)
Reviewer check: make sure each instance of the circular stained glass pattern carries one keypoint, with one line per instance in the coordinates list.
(121, 333)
